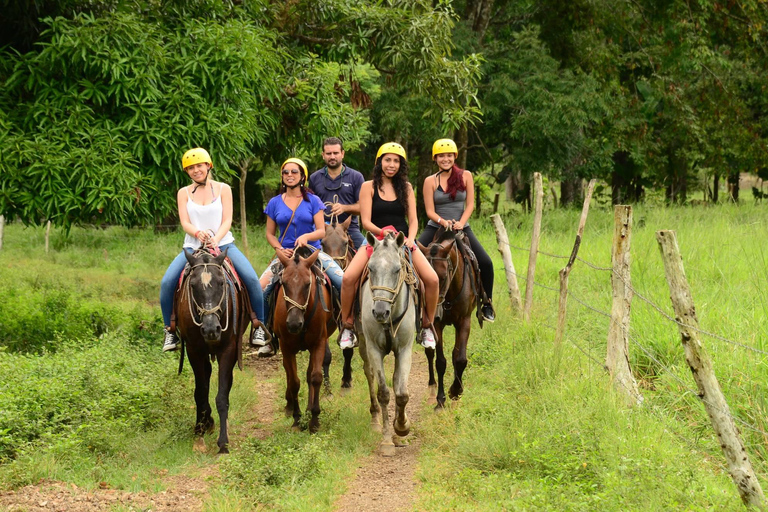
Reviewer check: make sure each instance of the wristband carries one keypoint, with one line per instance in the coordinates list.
(440, 220)
(197, 233)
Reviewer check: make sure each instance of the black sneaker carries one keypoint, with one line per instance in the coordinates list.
(171, 342)
(489, 315)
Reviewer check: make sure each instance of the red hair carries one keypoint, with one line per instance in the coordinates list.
(455, 182)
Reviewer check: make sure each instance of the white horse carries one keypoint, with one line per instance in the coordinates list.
(387, 323)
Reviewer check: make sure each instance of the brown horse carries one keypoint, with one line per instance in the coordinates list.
(336, 244)
(212, 315)
(456, 303)
(303, 321)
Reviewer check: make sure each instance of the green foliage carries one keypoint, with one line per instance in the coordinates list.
(85, 397)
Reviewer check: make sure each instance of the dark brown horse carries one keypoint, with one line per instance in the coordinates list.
(303, 321)
(212, 315)
(337, 245)
(456, 303)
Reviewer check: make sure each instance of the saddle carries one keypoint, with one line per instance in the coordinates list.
(474, 275)
(411, 279)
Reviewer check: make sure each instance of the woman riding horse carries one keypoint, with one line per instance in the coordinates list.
(449, 198)
(300, 216)
(386, 201)
(205, 212)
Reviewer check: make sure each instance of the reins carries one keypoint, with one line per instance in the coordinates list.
(441, 298)
(201, 311)
(402, 277)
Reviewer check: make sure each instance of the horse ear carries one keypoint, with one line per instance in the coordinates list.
(370, 239)
(346, 223)
(221, 257)
(311, 259)
(423, 249)
(190, 258)
(400, 238)
(280, 256)
(328, 229)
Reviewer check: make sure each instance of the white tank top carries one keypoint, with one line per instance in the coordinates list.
(205, 217)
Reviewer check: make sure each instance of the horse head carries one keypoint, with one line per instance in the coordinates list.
(207, 288)
(336, 242)
(385, 273)
(444, 256)
(297, 286)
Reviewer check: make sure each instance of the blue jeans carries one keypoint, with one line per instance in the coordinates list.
(357, 237)
(242, 266)
(330, 267)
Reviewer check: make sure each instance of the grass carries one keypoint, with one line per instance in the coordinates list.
(533, 430)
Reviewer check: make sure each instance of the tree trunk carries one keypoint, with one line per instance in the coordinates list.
(716, 188)
(243, 165)
(424, 170)
(733, 186)
(570, 191)
(478, 13)
(462, 141)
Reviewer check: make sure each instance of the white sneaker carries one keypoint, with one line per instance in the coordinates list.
(258, 338)
(347, 339)
(427, 338)
(171, 342)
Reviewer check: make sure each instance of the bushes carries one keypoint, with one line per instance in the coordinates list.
(86, 395)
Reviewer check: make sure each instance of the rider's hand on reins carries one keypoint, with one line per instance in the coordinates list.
(301, 241)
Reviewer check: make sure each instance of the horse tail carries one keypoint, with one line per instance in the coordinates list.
(181, 356)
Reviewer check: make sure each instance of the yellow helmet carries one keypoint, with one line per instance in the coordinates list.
(392, 147)
(300, 163)
(195, 156)
(444, 146)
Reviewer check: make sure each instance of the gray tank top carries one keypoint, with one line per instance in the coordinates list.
(447, 208)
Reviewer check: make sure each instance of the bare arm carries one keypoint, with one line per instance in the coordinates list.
(226, 214)
(186, 224)
(469, 204)
(317, 234)
(272, 240)
(413, 218)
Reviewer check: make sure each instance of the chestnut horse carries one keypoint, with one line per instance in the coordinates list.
(456, 303)
(303, 321)
(337, 245)
(212, 315)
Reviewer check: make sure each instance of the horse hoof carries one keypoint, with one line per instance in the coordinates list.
(295, 428)
(432, 390)
(345, 391)
(223, 450)
(400, 441)
(404, 432)
(199, 445)
(388, 449)
(440, 407)
(376, 427)
(289, 412)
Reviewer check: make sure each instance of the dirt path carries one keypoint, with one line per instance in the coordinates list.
(380, 483)
(389, 483)
(184, 493)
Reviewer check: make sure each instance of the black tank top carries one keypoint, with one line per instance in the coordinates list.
(388, 213)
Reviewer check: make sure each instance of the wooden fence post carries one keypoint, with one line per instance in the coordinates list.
(538, 196)
(496, 202)
(701, 366)
(47, 235)
(617, 355)
(2, 230)
(243, 166)
(566, 271)
(509, 268)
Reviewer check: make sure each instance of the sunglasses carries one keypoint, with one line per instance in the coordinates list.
(290, 171)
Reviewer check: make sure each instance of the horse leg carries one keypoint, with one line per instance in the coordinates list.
(440, 364)
(202, 370)
(292, 388)
(460, 357)
(327, 359)
(368, 370)
(226, 365)
(314, 380)
(346, 378)
(430, 364)
(382, 394)
(400, 384)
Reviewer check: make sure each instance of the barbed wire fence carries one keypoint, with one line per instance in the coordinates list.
(754, 427)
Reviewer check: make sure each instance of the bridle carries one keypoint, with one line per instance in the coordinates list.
(201, 311)
(452, 269)
(402, 277)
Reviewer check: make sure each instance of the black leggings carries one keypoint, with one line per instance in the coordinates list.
(483, 260)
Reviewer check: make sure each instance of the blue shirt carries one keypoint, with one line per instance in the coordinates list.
(346, 188)
(303, 221)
